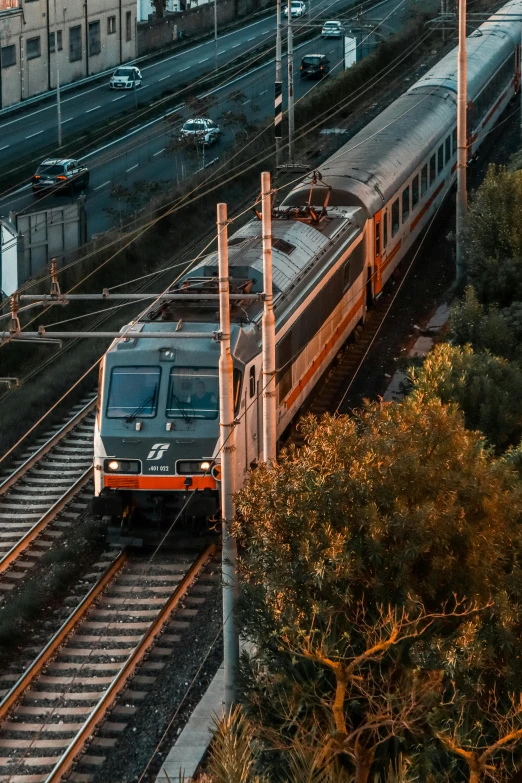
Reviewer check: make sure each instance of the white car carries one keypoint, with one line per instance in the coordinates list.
(332, 30)
(128, 77)
(201, 129)
(297, 8)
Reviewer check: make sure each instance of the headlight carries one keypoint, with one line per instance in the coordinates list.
(192, 467)
(122, 466)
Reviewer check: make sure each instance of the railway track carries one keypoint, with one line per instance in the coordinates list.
(49, 715)
(45, 493)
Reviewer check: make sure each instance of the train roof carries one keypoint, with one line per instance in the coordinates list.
(369, 169)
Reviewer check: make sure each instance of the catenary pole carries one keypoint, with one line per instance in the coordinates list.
(227, 443)
(290, 86)
(462, 146)
(278, 92)
(268, 327)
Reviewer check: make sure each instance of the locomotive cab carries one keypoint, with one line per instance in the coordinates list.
(157, 431)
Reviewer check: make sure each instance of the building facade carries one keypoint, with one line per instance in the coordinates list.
(79, 37)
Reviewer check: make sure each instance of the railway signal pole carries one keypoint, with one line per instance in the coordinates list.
(268, 326)
(462, 144)
(227, 448)
(290, 55)
(278, 91)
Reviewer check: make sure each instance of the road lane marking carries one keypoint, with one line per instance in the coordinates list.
(4, 148)
(236, 45)
(203, 61)
(34, 134)
(245, 102)
(102, 186)
(93, 109)
(184, 69)
(223, 52)
(262, 93)
(118, 98)
(159, 152)
(133, 167)
(164, 77)
(252, 39)
(69, 120)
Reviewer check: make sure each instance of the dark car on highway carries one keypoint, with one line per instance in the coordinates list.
(314, 66)
(64, 175)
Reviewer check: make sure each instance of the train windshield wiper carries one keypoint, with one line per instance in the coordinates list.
(149, 402)
(181, 408)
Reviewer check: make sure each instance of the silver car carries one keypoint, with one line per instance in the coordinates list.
(126, 78)
(297, 8)
(201, 130)
(332, 30)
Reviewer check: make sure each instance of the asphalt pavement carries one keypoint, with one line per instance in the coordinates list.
(141, 158)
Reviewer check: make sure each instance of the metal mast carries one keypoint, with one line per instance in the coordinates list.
(268, 326)
(462, 145)
(227, 443)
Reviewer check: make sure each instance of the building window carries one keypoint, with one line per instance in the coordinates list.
(414, 192)
(128, 26)
(433, 166)
(448, 149)
(58, 39)
(33, 48)
(395, 217)
(424, 179)
(8, 56)
(75, 43)
(94, 38)
(440, 156)
(111, 25)
(405, 204)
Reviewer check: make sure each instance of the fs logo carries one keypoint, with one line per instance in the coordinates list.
(157, 451)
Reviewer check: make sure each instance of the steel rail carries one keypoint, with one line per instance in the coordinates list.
(77, 744)
(48, 517)
(57, 640)
(47, 446)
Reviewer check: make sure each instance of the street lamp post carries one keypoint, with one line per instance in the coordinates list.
(291, 128)
(278, 94)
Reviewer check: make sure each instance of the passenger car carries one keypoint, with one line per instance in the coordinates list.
(201, 130)
(332, 30)
(297, 8)
(125, 78)
(65, 175)
(315, 66)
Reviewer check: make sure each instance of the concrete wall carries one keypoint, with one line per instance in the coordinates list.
(27, 29)
(156, 33)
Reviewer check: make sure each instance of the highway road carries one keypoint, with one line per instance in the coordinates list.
(94, 103)
(142, 157)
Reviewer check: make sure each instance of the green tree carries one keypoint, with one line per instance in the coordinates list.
(493, 237)
(487, 388)
(365, 554)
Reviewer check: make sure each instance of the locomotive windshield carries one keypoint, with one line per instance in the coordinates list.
(133, 391)
(193, 393)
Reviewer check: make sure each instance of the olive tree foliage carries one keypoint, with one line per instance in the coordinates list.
(498, 330)
(493, 237)
(370, 555)
(487, 388)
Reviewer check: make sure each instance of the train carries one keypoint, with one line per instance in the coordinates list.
(336, 238)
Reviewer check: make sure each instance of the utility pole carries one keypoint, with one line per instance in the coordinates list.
(278, 94)
(227, 444)
(290, 86)
(268, 327)
(462, 144)
(215, 37)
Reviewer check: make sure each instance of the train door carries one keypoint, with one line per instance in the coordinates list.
(377, 283)
(251, 417)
